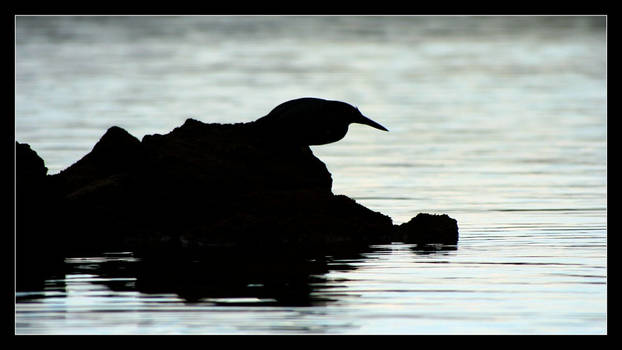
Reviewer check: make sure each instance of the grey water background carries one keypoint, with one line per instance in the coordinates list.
(499, 122)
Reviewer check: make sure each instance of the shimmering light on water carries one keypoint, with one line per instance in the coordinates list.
(499, 122)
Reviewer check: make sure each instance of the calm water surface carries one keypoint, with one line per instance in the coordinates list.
(499, 122)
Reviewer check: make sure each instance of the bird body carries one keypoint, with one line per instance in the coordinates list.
(311, 121)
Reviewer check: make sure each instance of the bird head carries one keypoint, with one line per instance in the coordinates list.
(312, 121)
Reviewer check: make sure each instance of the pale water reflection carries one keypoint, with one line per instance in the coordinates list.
(499, 122)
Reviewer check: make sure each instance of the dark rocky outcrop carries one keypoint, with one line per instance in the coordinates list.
(36, 246)
(200, 186)
(428, 229)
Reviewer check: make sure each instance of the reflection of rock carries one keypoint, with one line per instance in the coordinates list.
(223, 276)
(275, 279)
(202, 186)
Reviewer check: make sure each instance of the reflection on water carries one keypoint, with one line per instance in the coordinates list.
(218, 278)
(96, 288)
(392, 289)
(499, 122)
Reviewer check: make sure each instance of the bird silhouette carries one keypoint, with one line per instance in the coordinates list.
(311, 121)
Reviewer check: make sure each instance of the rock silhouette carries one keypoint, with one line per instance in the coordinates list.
(198, 188)
(37, 248)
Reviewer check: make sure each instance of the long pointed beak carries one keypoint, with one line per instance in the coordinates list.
(364, 120)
